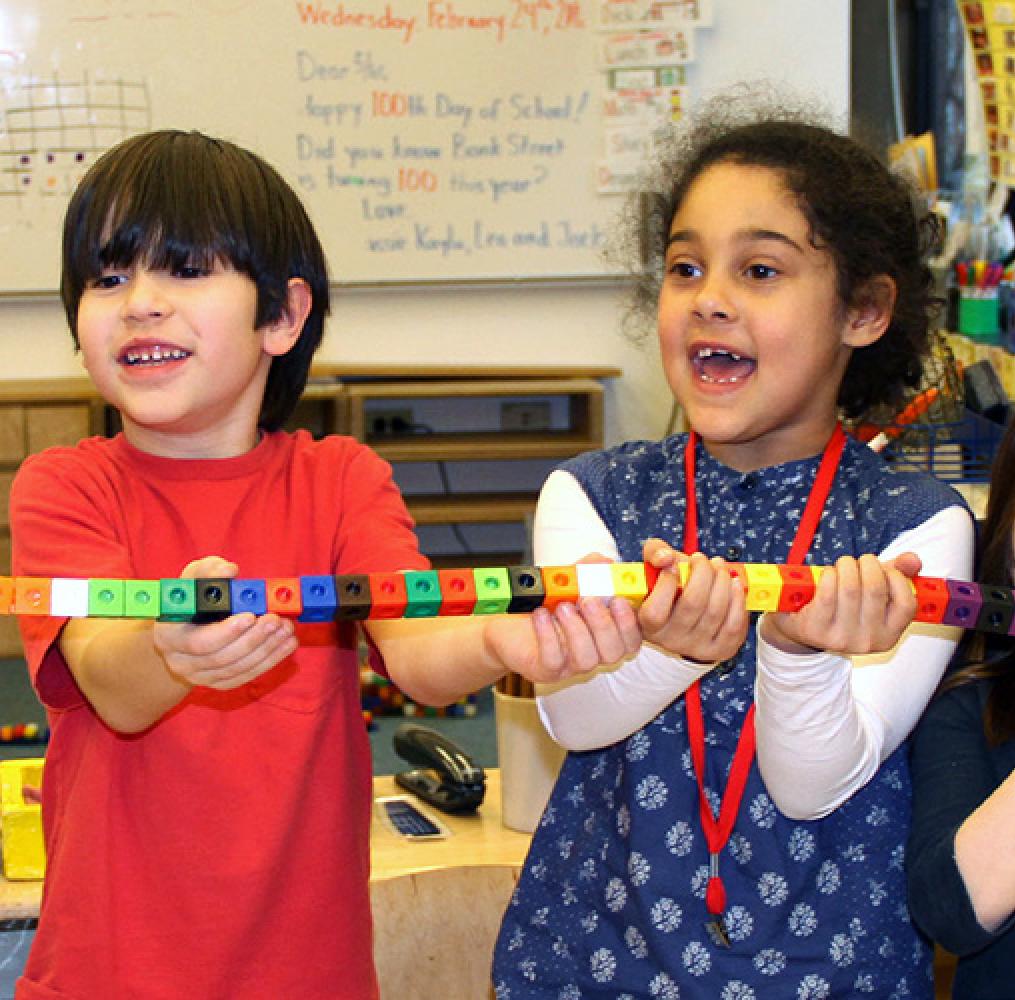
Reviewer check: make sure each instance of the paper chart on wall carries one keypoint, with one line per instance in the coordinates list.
(645, 50)
(990, 27)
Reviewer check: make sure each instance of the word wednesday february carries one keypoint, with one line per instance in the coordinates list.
(440, 15)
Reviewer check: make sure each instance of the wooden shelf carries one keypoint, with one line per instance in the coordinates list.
(350, 371)
(474, 387)
(573, 426)
(48, 390)
(585, 397)
(490, 446)
(471, 508)
(472, 560)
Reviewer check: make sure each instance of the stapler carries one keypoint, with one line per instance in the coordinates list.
(445, 776)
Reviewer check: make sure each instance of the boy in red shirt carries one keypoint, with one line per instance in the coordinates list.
(207, 796)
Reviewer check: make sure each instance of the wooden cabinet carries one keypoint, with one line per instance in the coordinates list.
(498, 420)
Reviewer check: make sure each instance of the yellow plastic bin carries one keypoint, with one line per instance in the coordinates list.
(24, 856)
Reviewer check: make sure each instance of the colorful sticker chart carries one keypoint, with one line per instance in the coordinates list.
(990, 25)
(645, 49)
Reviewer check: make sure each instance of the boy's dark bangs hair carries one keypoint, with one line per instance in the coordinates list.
(170, 199)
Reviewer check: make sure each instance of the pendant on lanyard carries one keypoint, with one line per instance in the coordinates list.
(718, 830)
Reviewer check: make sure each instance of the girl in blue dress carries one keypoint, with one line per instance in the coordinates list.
(730, 820)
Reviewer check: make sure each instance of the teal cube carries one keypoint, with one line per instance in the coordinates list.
(177, 600)
(423, 593)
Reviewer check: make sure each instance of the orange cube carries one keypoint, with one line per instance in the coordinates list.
(798, 585)
(560, 584)
(32, 595)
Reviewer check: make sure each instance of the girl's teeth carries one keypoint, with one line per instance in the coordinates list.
(719, 367)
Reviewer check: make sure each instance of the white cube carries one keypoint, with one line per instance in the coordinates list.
(69, 598)
(595, 580)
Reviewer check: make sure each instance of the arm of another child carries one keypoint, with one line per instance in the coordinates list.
(961, 877)
(827, 718)
(133, 672)
(989, 873)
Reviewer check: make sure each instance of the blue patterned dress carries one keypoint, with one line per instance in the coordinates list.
(611, 901)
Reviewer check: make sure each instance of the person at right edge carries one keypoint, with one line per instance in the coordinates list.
(674, 861)
(960, 858)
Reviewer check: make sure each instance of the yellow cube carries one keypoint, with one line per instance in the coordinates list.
(629, 581)
(24, 855)
(764, 586)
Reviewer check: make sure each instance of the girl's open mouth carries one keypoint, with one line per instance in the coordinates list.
(720, 366)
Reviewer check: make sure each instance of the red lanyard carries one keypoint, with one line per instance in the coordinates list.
(717, 831)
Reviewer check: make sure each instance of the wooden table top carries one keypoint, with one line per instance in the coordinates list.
(477, 839)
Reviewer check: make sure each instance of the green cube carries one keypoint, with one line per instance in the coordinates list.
(141, 599)
(423, 592)
(105, 598)
(493, 591)
(177, 600)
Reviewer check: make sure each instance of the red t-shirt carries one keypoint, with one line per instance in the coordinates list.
(223, 854)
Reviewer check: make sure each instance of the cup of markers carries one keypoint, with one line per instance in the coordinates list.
(979, 284)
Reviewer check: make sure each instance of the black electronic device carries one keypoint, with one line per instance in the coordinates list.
(445, 776)
(408, 820)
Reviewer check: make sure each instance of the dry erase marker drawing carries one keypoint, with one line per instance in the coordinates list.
(52, 128)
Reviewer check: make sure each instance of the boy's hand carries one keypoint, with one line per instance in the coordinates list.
(708, 621)
(547, 646)
(225, 654)
(860, 606)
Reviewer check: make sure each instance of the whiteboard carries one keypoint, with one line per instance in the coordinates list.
(432, 140)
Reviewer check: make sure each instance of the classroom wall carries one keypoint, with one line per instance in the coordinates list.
(529, 323)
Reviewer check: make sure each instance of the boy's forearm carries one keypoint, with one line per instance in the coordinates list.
(438, 660)
(120, 672)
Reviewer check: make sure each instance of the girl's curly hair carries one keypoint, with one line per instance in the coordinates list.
(871, 220)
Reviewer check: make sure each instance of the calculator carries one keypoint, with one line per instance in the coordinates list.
(407, 819)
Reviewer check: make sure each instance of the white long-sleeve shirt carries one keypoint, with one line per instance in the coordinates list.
(824, 722)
